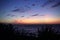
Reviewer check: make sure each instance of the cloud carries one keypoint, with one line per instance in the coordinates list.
(33, 4)
(56, 5)
(22, 16)
(48, 2)
(51, 1)
(16, 10)
(21, 9)
(28, 7)
(35, 15)
(10, 15)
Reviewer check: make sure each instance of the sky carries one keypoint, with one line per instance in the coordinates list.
(30, 11)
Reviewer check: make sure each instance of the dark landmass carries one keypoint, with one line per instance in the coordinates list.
(29, 32)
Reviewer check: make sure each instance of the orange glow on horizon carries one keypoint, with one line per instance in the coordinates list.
(38, 21)
(34, 20)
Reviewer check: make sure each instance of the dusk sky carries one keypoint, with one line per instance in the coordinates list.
(30, 11)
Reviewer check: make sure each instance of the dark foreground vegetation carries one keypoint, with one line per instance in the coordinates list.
(7, 32)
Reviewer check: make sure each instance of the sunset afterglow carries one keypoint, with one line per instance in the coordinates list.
(30, 12)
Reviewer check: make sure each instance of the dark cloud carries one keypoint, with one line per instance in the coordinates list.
(15, 10)
(22, 16)
(26, 6)
(56, 5)
(48, 2)
(33, 4)
(38, 0)
(21, 9)
(44, 4)
(10, 15)
(35, 15)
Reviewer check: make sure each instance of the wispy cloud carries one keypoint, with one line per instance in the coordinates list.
(48, 2)
(10, 15)
(22, 16)
(16, 10)
(21, 9)
(56, 5)
(35, 15)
